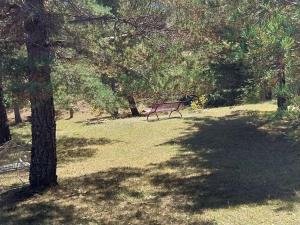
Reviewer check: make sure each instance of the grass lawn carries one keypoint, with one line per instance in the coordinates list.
(225, 166)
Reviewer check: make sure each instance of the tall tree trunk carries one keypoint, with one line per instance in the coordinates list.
(4, 128)
(18, 118)
(43, 152)
(281, 98)
(132, 104)
(113, 85)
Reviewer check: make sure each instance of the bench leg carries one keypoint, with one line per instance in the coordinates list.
(150, 114)
(175, 111)
(180, 113)
(19, 173)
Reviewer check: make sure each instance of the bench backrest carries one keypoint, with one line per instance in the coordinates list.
(14, 157)
(166, 106)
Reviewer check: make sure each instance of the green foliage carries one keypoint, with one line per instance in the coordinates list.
(101, 96)
(284, 91)
(250, 93)
(200, 103)
(14, 70)
(269, 40)
(230, 58)
(81, 81)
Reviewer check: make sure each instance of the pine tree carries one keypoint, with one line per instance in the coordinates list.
(4, 127)
(43, 153)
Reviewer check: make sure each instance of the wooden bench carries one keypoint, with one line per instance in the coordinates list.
(16, 167)
(20, 165)
(19, 161)
(165, 107)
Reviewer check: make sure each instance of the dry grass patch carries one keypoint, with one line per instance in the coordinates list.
(226, 166)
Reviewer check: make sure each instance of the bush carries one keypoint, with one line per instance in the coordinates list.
(200, 103)
(293, 111)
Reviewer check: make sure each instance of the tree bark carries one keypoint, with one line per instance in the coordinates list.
(281, 98)
(113, 85)
(132, 104)
(43, 152)
(71, 112)
(18, 118)
(4, 127)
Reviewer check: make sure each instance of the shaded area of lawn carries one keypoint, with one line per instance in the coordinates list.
(227, 162)
(11, 151)
(47, 212)
(79, 148)
(70, 149)
(100, 198)
(230, 161)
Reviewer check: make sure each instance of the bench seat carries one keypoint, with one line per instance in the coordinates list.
(164, 107)
(14, 167)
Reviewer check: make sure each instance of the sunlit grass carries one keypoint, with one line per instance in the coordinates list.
(225, 166)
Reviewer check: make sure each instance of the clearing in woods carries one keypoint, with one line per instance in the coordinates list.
(225, 166)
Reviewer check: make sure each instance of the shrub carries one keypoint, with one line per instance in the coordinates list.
(200, 103)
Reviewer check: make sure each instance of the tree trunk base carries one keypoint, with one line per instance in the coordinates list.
(71, 113)
(18, 118)
(282, 103)
(133, 108)
(4, 127)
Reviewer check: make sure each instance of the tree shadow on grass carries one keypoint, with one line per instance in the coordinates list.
(48, 212)
(13, 150)
(75, 148)
(230, 162)
(67, 200)
(99, 198)
(93, 121)
(155, 120)
(101, 186)
(69, 149)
